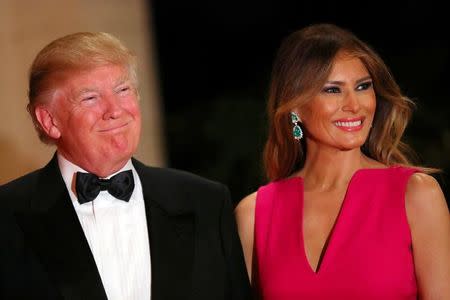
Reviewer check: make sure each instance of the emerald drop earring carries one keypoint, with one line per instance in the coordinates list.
(296, 130)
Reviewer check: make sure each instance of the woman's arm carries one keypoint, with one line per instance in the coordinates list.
(429, 220)
(245, 219)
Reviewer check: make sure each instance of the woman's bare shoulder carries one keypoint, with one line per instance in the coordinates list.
(429, 221)
(425, 199)
(423, 188)
(246, 207)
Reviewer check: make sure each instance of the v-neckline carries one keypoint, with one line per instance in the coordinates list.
(330, 237)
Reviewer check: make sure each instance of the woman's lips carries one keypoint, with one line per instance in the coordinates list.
(353, 124)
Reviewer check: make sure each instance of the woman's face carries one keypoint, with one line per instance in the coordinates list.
(341, 114)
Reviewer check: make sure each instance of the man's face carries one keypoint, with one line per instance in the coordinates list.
(96, 118)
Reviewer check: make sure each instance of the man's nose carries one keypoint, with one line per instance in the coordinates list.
(112, 107)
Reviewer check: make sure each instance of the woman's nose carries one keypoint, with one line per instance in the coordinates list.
(351, 102)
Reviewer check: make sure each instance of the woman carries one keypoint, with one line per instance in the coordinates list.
(346, 215)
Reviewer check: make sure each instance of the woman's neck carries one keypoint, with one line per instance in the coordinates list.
(329, 168)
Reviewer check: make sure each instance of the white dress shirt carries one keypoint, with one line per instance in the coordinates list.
(116, 231)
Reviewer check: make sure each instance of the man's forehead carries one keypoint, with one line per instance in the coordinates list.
(81, 79)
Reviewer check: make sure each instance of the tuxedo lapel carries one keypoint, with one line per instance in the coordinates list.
(171, 235)
(172, 248)
(53, 230)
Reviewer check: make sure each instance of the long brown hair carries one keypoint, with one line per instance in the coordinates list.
(301, 67)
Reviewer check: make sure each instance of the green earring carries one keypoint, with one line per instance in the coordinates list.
(296, 130)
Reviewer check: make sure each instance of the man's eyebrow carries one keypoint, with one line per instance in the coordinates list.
(84, 90)
(122, 79)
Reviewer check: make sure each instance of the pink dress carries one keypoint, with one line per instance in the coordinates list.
(369, 253)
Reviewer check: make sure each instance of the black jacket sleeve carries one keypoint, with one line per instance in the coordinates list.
(238, 278)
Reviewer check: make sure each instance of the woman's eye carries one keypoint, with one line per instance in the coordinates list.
(364, 86)
(332, 90)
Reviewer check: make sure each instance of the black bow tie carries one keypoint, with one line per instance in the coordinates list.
(88, 186)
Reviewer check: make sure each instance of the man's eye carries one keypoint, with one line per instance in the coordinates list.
(124, 89)
(364, 86)
(89, 98)
(331, 90)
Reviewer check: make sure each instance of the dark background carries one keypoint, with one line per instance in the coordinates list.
(215, 59)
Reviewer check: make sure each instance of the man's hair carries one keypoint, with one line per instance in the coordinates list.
(74, 52)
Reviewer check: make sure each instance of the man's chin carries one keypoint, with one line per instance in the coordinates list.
(122, 155)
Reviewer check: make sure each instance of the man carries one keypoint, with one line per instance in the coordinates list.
(95, 223)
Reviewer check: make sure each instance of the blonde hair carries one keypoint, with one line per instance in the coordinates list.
(302, 65)
(78, 51)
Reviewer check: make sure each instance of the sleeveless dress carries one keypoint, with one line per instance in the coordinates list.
(368, 256)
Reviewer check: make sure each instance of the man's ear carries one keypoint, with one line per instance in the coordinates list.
(47, 121)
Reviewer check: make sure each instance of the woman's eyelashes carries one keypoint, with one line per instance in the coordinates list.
(331, 89)
(337, 89)
(364, 86)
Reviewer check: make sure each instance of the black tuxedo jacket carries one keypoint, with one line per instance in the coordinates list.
(195, 250)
